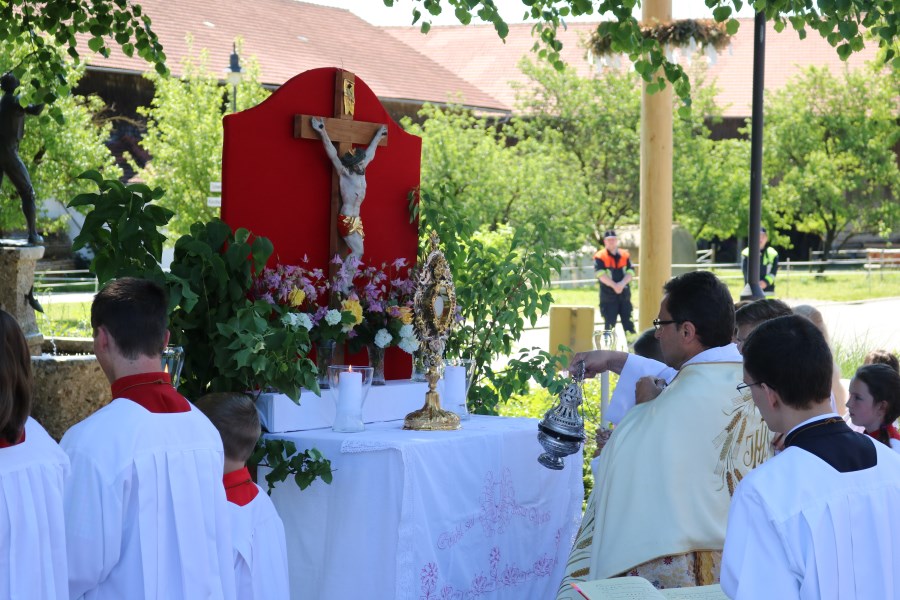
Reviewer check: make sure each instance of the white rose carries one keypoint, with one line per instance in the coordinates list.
(296, 320)
(383, 338)
(333, 317)
(409, 344)
(407, 331)
(304, 321)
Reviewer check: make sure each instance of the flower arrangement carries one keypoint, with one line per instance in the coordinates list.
(385, 300)
(301, 291)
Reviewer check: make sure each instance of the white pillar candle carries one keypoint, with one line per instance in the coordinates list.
(349, 404)
(455, 388)
(455, 383)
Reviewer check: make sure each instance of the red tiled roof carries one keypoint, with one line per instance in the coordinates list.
(477, 54)
(468, 64)
(288, 37)
(786, 56)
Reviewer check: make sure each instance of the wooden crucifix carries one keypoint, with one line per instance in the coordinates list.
(349, 172)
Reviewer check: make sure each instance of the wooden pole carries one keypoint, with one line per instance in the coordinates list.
(656, 184)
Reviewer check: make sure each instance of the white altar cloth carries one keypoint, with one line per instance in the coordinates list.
(443, 514)
(395, 400)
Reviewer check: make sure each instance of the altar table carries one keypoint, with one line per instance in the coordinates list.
(441, 514)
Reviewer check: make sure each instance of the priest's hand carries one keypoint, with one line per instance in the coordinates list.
(648, 388)
(599, 361)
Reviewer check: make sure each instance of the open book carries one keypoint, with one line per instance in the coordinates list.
(638, 588)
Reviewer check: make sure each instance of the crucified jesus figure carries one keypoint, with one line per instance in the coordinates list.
(351, 167)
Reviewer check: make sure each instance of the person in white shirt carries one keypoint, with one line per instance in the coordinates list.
(32, 472)
(146, 515)
(820, 519)
(874, 402)
(260, 550)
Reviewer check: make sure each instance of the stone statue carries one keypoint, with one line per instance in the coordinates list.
(12, 128)
(351, 167)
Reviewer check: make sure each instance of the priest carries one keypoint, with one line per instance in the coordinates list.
(146, 514)
(820, 520)
(665, 478)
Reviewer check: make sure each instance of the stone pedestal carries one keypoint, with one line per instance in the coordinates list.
(67, 390)
(17, 263)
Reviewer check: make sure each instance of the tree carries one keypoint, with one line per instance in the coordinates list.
(528, 186)
(830, 153)
(55, 154)
(844, 24)
(595, 123)
(46, 27)
(710, 177)
(184, 136)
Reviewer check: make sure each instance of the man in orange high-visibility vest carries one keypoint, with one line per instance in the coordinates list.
(612, 267)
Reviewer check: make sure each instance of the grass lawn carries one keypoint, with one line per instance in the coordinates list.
(836, 286)
(74, 318)
(65, 319)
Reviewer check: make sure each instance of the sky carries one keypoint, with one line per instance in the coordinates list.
(375, 12)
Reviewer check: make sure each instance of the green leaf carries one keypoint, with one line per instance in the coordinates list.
(92, 175)
(732, 27)
(844, 51)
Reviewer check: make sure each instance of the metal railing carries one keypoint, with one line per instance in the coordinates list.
(582, 275)
(80, 280)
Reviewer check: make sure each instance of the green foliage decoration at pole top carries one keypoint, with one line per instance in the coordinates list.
(44, 26)
(680, 34)
(844, 23)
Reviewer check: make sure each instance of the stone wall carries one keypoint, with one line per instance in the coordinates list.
(67, 388)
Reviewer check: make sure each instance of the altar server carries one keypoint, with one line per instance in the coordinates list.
(874, 402)
(146, 514)
(32, 471)
(260, 550)
(819, 520)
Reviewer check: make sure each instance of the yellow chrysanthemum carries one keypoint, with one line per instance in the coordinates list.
(296, 297)
(406, 315)
(353, 307)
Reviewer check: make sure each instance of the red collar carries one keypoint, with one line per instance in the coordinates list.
(153, 391)
(892, 432)
(5, 444)
(239, 487)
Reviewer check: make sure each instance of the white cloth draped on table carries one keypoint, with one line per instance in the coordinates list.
(431, 514)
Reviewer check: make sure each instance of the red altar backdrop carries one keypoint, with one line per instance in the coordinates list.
(279, 187)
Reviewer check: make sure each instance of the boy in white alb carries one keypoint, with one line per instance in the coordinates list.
(32, 471)
(146, 515)
(260, 551)
(819, 520)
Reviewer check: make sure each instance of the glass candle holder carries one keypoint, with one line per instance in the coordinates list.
(457, 379)
(349, 386)
(172, 361)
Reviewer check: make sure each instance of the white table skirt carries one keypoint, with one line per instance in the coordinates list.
(279, 414)
(411, 514)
